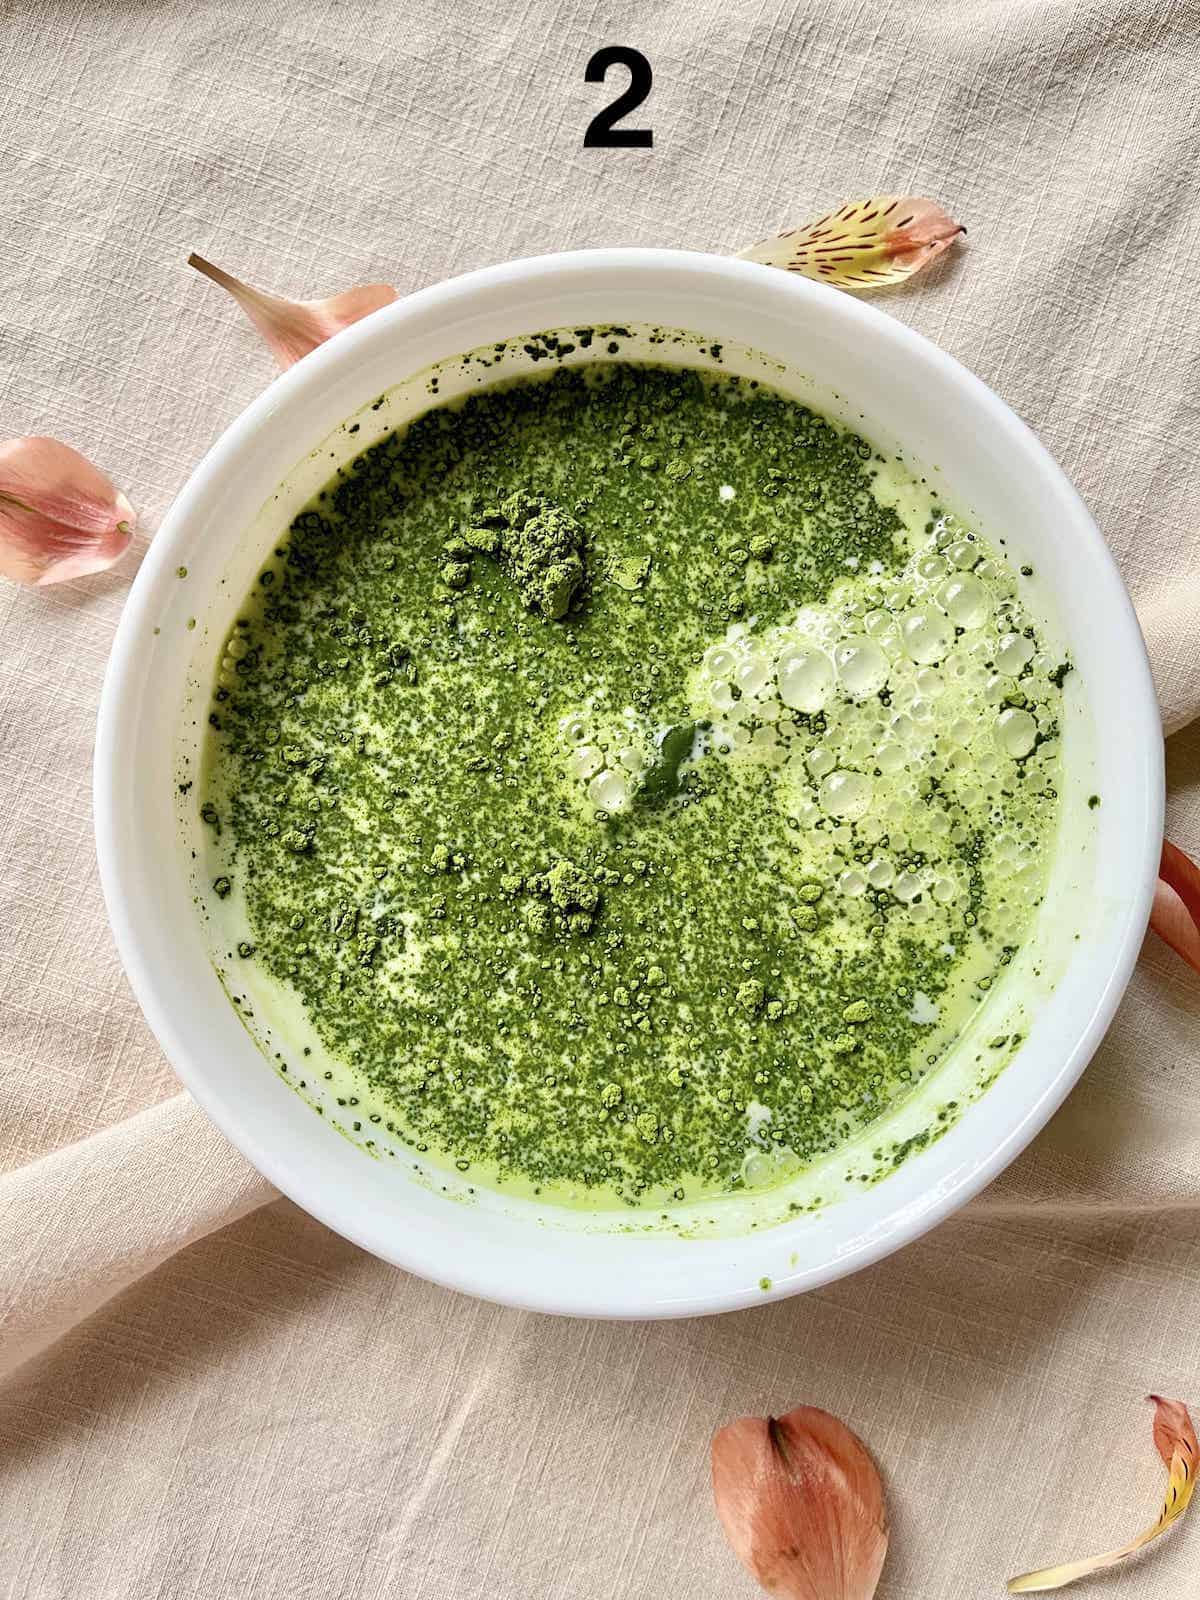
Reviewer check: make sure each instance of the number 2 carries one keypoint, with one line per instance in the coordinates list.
(600, 131)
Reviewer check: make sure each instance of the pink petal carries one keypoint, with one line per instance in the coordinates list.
(1175, 916)
(60, 517)
(924, 232)
(291, 328)
(801, 1503)
(1174, 1434)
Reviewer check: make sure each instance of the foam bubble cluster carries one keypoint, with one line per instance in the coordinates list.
(911, 713)
(904, 717)
(608, 760)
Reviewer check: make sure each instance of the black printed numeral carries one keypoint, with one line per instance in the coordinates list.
(602, 132)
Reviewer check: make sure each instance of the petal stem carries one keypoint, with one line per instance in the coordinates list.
(293, 328)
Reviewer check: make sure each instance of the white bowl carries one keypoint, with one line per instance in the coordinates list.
(849, 359)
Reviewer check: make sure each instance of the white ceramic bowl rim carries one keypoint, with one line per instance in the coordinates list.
(939, 1180)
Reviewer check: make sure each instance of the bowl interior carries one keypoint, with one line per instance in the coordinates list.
(846, 359)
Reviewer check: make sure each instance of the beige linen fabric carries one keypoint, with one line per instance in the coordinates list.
(208, 1394)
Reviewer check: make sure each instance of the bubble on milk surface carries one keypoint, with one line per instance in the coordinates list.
(862, 667)
(609, 791)
(806, 677)
(846, 794)
(585, 760)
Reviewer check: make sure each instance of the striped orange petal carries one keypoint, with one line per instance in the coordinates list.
(1176, 1441)
(291, 328)
(801, 1503)
(865, 244)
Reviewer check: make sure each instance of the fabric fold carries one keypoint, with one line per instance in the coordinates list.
(1168, 621)
(82, 1224)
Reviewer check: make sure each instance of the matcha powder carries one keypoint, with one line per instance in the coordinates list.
(628, 791)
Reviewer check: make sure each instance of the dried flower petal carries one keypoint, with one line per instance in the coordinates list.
(864, 245)
(1175, 916)
(1176, 1441)
(292, 328)
(60, 517)
(802, 1505)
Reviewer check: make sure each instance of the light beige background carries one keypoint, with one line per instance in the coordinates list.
(258, 1409)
